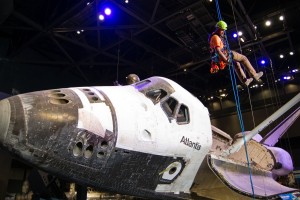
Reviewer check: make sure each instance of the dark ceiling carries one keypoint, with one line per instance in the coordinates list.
(41, 49)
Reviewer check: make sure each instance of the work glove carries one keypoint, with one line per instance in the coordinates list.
(214, 68)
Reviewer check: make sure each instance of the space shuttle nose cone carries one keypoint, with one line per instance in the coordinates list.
(4, 119)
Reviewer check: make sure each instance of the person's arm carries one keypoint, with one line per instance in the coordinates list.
(221, 55)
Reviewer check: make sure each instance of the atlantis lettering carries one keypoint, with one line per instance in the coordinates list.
(187, 142)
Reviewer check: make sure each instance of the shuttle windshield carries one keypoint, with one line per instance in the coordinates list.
(155, 89)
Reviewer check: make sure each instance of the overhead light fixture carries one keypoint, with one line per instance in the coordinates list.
(262, 62)
(268, 23)
(126, 1)
(281, 18)
(295, 70)
(107, 11)
(240, 33)
(234, 35)
(291, 53)
(281, 56)
(288, 77)
(78, 32)
(101, 17)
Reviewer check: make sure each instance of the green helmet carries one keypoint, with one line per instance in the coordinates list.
(221, 25)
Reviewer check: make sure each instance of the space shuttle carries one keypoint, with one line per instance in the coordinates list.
(151, 139)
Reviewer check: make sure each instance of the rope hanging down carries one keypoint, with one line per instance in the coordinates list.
(249, 96)
(237, 100)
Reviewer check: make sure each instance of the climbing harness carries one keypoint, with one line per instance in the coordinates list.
(216, 63)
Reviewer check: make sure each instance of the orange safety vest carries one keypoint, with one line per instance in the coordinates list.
(216, 41)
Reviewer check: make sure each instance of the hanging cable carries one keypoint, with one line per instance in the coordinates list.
(237, 100)
(240, 46)
(118, 62)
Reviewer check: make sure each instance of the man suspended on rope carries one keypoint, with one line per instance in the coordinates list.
(221, 56)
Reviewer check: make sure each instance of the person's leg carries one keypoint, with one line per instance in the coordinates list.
(244, 60)
(241, 74)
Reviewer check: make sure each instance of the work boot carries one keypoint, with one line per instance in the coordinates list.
(248, 81)
(258, 75)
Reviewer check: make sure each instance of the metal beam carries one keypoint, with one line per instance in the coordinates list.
(37, 36)
(151, 26)
(97, 28)
(92, 48)
(70, 58)
(146, 28)
(150, 49)
(154, 11)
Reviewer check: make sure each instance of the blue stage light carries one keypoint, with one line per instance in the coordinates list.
(101, 17)
(235, 35)
(262, 62)
(107, 11)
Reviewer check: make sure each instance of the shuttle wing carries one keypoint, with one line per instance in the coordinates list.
(273, 136)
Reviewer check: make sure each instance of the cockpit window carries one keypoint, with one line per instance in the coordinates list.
(141, 84)
(156, 95)
(169, 106)
(176, 111)
(182, 116)
(155, 88)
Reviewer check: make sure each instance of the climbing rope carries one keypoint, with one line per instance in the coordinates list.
(118, 62)
(240, 46)
(237, 100)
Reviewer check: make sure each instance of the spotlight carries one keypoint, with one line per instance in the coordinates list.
(101, 17)
(291, 53)
(281, 18)
(287, 77)
(268, 23)
(240, 33)
(78, 32)
(295, 70)
(235, 35)
(126, 1)
(281, 56)
(262, 62)
(107, 11)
